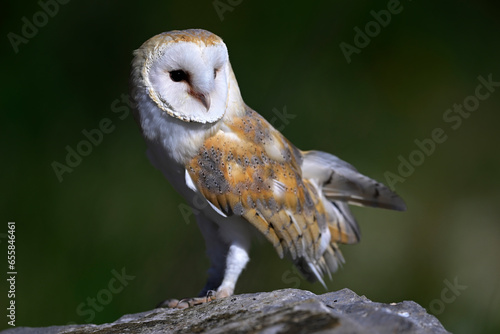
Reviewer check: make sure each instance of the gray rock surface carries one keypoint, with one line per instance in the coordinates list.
(282, 311)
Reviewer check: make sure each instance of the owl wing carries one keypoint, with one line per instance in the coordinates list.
(297, 200)
(342, 184)
(340, 181)
(250, 170)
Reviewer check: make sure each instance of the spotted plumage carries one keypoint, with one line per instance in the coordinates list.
(241, 175)
(251, 170)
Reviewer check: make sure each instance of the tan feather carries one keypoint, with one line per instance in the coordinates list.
(241, 176)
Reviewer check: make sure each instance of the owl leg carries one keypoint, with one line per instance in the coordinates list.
(227, 249)
(228, 244)
(236, 260)
(217, 251)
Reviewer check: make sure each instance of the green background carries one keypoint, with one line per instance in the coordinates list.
(114, 210)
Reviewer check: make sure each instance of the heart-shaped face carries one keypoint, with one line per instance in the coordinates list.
(186, 74)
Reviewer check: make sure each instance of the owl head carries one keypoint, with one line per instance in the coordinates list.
(185, 74)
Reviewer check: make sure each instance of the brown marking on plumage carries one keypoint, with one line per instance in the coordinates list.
(198, 36)
(338, 233)
(265, 228)
(237, 175)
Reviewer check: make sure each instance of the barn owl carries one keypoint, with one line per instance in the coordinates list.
(243, 177)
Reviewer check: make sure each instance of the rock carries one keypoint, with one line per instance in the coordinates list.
(282, 311)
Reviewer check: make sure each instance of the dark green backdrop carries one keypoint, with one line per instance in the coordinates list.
(114, 212)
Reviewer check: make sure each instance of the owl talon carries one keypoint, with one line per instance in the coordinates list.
(169, 303)
(188, 302)
(211, 295)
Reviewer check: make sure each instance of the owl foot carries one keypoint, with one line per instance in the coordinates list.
(189, 302)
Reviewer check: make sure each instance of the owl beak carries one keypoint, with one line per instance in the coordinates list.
(204, 99)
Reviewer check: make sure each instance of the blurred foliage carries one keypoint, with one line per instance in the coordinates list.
(114, 210)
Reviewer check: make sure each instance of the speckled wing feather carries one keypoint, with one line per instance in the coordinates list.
(249, 169)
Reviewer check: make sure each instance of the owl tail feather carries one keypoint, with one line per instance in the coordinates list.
(313, 271)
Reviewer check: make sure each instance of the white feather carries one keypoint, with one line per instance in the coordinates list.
(189, 181)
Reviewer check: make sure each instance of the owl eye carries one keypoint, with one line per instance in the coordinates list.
(215, 73)
(178, 75)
